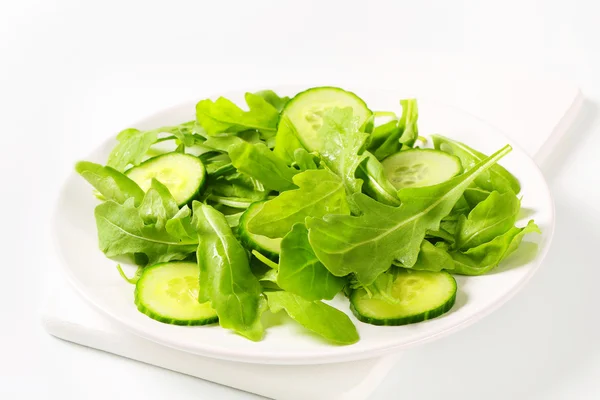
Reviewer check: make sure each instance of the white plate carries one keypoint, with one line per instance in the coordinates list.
(96, 279)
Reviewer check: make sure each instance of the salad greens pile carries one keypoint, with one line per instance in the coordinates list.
(327, 215)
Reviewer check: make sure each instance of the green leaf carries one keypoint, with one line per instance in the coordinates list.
(382, 287)
(121, 231)
(112, 184)
(158, 205)
(475, 195)
(133, 280)
(485, 257)
(404, 133)
(367, 244)
(301, 273)
(266, 275)
(440, 234)
(180, 225)
(238, 185)
(490, 218)
(257, 161)
(433, 258)
(233, 202)
(286, 141)
(304, 160)
(408, 122)
(134, 144)
(342, 144)
(382, 132)
(273, 99)
(218, 165)
(319, 192)
(224, 143)
(227, 281)
(497, 178)
(316, 316)
(223, 116)
(376, 184)
(265, 260)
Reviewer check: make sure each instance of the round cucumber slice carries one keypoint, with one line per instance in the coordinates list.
(168, 293)
(305, 111)
(420, 167)
(182, 174)
(421, 295)
(265, 245)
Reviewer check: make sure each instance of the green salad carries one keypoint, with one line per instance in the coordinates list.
(290, 202)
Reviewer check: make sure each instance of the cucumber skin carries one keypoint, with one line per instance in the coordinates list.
(141, 308)
(194, 196)
(160, 318)
(410, 319)
(289, 103)
(366, 125)
(247, 241)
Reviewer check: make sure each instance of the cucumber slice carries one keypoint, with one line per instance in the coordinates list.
(182, 174)
(421, 295)
(305, 112)
(168, 293)
(420, 167)
(264, 245)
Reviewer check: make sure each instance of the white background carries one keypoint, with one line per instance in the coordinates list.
(73, 72)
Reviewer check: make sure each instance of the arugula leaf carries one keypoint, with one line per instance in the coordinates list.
(304, 160)
(121, 231)
(382, 132)
(440, 234)
(227, 281)
(490, 218)
(404, 133)
(286, 140)
(367, 244)
(475, 195)
(158, 205)
(265, 260)
(342, 144)
(316, 316)
(134, 144)
(224, 143)
(238, 185)
(449, 225)
(112, 184)
(408, 122)
(233, 219)
(180, 225)
(218, 165)
(485, 257)
(262, 272)
(381, 288)
(319, 192)
(497, 178)
(257, 161)
(433, 258)
(232, 202)
(301, 273)
(223, 116)
(273, 99)
(376, 184)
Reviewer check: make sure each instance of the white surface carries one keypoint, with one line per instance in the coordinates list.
(76, 238)
(67, 66)
(67, 317)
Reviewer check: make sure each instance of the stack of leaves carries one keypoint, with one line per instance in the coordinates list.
(340, 222)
